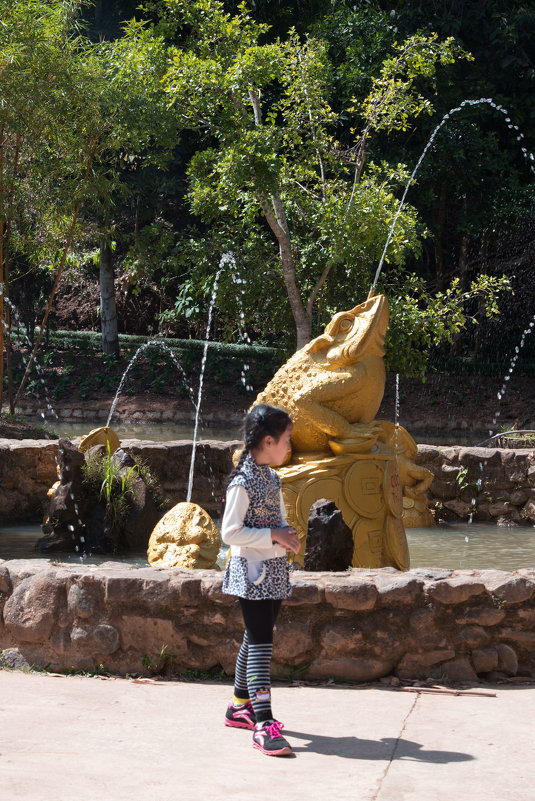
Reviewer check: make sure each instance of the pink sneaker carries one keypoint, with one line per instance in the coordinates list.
(268, 739)
(240, 717)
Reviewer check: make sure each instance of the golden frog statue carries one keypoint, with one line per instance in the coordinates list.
(333, 388)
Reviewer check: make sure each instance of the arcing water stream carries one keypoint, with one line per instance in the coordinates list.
(466, 103)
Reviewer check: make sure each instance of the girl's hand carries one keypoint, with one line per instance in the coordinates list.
(287, 538)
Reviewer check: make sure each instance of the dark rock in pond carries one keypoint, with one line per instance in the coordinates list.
(329, 540)
(95, 536)
(64, 522)
(142, 518)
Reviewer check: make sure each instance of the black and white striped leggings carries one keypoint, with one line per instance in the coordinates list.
(253, 664)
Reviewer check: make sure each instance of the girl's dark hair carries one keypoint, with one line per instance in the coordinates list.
(262, 421)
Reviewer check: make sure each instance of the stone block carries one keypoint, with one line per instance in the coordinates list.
(504, 509)
(526, 618)
(31, 610)
(122, 588)
(510, 589)
(459, 670)
(528, 511)
(418, 666)
(5, 580)
(367, 669)
(292, 640)
(455, 590)
(305, 591)
(146, 635)
(211, 584)
(80, 603)
(400, 590)
(12, 658)
(358, 596)
(507, 659)
(101, 639)
(430, 573)
(518, 497)
(484, 660)
(422, 620)
(341, 638)
(443, 490)
(428, 454)
(106, 638)
(460, 509)
(522, 639)
(472, 637)
(482, 616)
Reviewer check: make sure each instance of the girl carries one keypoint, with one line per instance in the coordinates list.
(255, 527)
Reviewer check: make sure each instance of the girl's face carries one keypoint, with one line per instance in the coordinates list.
(274, 451)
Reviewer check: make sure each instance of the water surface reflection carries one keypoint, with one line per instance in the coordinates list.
(477, 546)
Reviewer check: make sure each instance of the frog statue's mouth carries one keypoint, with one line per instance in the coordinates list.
(353, 334)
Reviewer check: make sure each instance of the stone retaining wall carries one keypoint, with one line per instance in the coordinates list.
(495, 485)
(28, 470)
(482, 484)
(359, 625)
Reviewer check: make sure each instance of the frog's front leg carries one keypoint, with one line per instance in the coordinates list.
(311, 398)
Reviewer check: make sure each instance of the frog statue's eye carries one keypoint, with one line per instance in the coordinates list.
(346, 323)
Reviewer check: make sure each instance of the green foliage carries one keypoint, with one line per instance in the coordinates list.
(160, 664)
(110, 483)
(394, 100)
(420, 320)
(273, 152)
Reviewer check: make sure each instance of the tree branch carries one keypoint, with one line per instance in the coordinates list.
(317, 288)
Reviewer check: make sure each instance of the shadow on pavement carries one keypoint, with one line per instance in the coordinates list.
(386, 748)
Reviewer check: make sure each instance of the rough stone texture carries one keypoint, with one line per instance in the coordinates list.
(30, 612)
(460, 670)
(455, 590)
(11, 658)
(418, 666)
(507, 660)
(358, 625)
(28, 470)
(509, 589)
(345, 594)
(497, 486)
(484, 660)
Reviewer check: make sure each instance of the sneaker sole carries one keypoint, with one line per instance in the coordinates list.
(234, 724)
(286, 751)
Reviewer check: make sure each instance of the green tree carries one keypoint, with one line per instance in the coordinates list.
(72, 112)
(270, 147)
(47, 144)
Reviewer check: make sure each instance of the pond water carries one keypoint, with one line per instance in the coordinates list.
(477, 546)
(167, 432)
(157, 432)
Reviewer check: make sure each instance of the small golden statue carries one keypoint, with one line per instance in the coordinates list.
(186, 537)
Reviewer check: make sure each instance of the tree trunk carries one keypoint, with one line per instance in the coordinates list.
(108, 311)
(462, 274)
(439, 252)
(483, 267)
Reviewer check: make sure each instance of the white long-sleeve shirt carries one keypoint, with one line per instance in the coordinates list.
(254, 544)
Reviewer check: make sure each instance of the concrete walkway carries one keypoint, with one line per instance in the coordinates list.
(87, 739)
